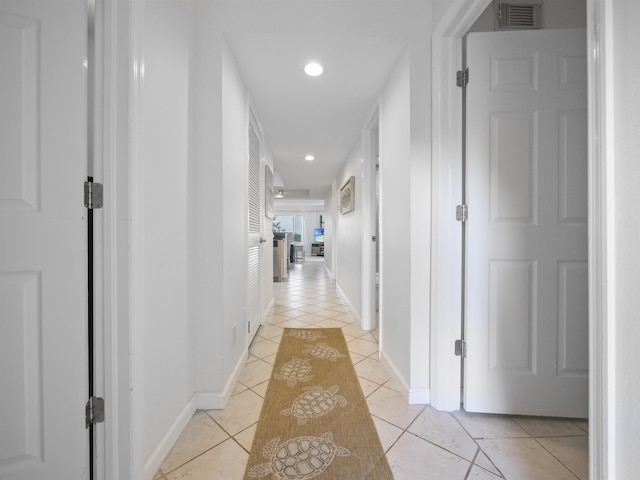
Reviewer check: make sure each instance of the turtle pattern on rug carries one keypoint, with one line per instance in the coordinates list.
(322, 350)
(298, 424)
(298, 458)
(294, 371)
(315, 402)
(306, 334)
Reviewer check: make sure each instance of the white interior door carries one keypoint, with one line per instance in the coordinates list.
(526, 283)
(254, 240)
(43, 352)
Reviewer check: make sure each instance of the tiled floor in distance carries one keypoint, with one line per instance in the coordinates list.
(419, 441)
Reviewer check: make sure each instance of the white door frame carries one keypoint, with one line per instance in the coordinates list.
(447, 192)
(368, 247)
(118, 59)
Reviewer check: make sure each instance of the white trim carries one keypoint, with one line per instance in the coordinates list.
(215, 400)
(368, 250)
(354, 312)
(328, 271)
(601, 243)
(395, 374)
(420, 396)
(198, 401)
(211, 400)
(460, 17)
(113, 23)
(335, 199)
(446, 250)
(414, 396)
(267, 310)
(165, 444)
(136, 192)
(103, 262)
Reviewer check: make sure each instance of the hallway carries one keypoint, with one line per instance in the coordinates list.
(420, 442)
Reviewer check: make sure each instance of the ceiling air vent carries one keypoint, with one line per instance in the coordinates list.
(519, 16)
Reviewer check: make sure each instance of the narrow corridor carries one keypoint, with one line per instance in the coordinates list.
(419, 441)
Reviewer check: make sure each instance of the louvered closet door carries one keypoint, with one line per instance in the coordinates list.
(254, 228)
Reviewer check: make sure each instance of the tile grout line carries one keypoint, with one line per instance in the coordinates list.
(229, 436)
(479, 448)
(551, 453)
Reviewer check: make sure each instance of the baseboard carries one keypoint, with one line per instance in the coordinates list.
(420, 396)
(414, 396)
(351, 308)
(198, 401)
(268, 309)
(210, 400)
(215, 400)
(395, 375)
(329, 272)
(163, 447)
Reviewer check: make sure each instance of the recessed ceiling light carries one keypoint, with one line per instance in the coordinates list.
(313, 69)
(309, 158)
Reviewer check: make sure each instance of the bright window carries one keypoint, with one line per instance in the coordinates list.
(289, 223)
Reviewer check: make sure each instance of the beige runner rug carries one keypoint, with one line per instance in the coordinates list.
(315, 422)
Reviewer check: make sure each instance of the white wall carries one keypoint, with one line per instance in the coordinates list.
(440, 9)
(405, 210)
(205, 214)
(190, 248)
(163, 195)
(349, 234)
(330, 218)
(218, 214)
(395, 218)
(555, 14)
(235, 114)
(623, 343)
(420, 213)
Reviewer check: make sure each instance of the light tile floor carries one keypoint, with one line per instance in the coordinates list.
(419, 441)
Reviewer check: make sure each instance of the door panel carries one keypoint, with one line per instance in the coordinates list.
(43, 287)
(254, 254)
(526, 279)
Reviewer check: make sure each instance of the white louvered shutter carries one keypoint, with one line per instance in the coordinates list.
(253, 259)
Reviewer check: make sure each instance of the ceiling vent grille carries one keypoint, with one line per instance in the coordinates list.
(519, 16)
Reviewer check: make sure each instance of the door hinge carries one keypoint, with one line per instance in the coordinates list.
(462, 78)
(461, 348)
(248, 326)
(93, 195)
(94, 411)
(462, 213)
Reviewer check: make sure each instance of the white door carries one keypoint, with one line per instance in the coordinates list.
(254, 240)
(526, 284)
(43, 353)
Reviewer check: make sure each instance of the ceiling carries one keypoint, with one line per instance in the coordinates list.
(357, 42)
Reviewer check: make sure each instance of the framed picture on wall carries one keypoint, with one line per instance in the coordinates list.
(268, 192)
(348, 196)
